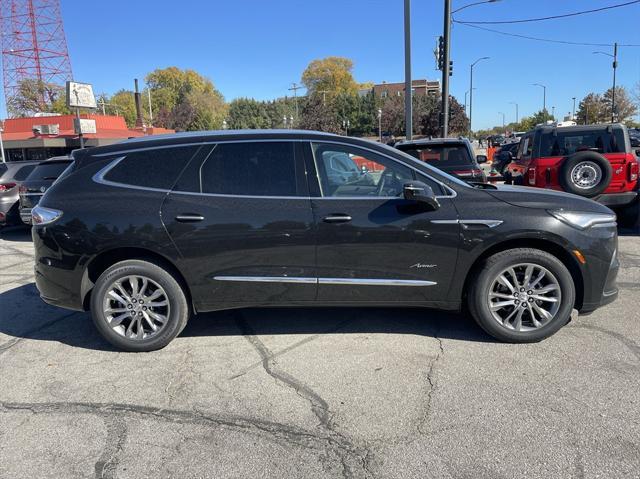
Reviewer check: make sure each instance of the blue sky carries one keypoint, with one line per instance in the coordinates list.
(256, 48)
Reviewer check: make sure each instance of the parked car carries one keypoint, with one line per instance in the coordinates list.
(11, 175)
(495, 140)
(38, 181)
(146, 232)
(504, 155)
(453, 155)
(594, 161)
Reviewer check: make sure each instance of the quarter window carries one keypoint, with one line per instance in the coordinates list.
(250, 168)
(153, 168)
(349, 171)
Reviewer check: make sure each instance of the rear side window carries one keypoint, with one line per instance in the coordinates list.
(440, 156)
(251, 168)
(563, 143)
(3, 169)
(21, 174)
(48, 171)
(154, 168)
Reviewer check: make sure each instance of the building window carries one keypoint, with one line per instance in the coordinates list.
(384, 94)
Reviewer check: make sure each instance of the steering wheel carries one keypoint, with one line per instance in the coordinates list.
(388, 179)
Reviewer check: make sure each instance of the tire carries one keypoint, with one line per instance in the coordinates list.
(585, 173)
(161, 287)
(484, 282)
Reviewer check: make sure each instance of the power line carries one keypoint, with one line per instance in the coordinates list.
(548, 40)
(554, 17)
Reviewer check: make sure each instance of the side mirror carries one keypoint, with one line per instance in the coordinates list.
(481, 158)
(421, 193)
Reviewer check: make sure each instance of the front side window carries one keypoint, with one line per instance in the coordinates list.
(349, 171)
(251, 169)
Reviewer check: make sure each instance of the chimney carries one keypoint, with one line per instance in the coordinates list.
(136, 97)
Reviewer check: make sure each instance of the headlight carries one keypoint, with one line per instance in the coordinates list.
(583, 220)
(44, 216)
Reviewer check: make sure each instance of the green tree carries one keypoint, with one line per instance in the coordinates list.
(321, 116)
(247, 113)
(185, 100)
(122, 103)
(592, 109)
(331, 75)
(35, 96)
(625, 108)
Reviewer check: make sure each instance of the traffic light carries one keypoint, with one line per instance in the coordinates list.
(450, 67)
(441, 53)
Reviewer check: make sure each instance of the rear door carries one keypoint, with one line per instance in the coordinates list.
(518, 168)
(241, 218)
(374, 246)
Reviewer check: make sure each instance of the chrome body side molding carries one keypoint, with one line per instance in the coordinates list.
(338, 281)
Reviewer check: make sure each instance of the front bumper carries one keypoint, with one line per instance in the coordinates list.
(609, 291)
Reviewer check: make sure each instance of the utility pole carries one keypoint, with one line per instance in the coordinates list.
(407, 71)
(380, 124)
(613, 92)
(516, 104)
(573, 114)
(324, 96)
(295, 87)
(445, 69)
(4, 160)
(150, 109)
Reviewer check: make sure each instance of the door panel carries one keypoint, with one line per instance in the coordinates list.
(248, 249)
(373, 245)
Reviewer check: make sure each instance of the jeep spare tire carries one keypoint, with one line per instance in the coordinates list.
(585, 173)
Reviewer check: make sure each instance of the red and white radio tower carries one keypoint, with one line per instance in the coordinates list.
(33, 44)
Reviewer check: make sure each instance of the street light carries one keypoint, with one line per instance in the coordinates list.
(346, 124)
(380, 124)
(224, 124)
(544, 95)
(573, 115)
(465, 100)
(514, 103)
(503, 117)
(613, 90)
(471, 93)
(4, 160)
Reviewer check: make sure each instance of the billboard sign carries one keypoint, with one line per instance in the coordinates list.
(80, 95)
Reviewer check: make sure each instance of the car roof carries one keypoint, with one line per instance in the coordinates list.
(434, 141)
(599, 126)
(195, 137)
(56, 159)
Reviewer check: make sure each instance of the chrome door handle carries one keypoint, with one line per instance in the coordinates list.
(189, 218)
(337, 218)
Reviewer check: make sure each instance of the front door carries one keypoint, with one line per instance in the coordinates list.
(241, 218)
(373, 245)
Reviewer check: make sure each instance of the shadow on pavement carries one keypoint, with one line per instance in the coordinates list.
(42, 322)
(15, 233)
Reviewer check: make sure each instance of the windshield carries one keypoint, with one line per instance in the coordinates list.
(440, 156)
(48, 171)
(562, 143)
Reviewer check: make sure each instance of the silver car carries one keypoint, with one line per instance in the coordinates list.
(11, 175)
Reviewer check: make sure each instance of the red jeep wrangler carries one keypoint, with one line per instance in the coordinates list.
(595, 161)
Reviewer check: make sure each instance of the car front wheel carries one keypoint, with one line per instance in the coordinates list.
(138, 306)
(522, 295)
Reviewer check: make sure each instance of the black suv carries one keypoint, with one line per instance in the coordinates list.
(453, 155)
(38, 181)
(146, 232)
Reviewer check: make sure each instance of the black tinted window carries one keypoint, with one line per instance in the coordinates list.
(155, 168)
(48, 171)
(440, 156)
(252, 168)
(21, 174)
(3, 169)
(562, 143)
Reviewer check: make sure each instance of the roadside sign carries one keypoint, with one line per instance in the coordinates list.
(80, 95)
(84, 126)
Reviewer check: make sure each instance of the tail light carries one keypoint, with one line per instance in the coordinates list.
(633, 170)
(532, 176)
(7, 186)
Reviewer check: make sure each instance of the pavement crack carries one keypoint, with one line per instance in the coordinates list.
(353, 459)
(629, 343)
(421, 427)
(107, 464)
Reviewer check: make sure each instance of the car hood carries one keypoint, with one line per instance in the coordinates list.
(527, 197)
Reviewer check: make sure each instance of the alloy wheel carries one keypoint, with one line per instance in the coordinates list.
(524, 297)
(136, 307)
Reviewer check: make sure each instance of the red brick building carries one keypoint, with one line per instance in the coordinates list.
(41, 137)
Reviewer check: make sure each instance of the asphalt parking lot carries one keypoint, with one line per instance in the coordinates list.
(316, 393)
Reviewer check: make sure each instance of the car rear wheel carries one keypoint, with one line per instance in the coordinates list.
(585, 173)
(138, 306)
(522, 295)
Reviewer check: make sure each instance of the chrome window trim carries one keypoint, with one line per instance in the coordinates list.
(488, 223)
(99, 176)
(326, 281)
